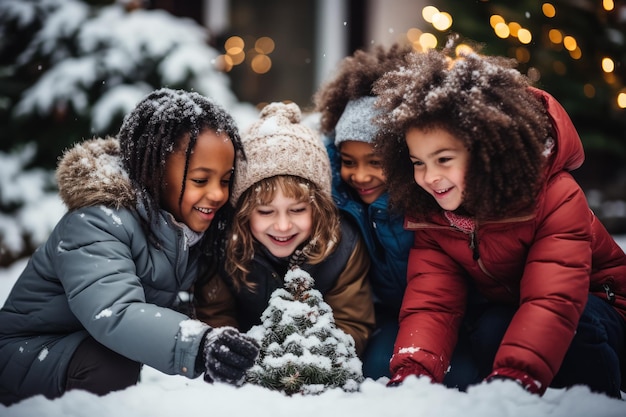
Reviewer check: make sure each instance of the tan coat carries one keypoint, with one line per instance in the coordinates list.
(341, 278)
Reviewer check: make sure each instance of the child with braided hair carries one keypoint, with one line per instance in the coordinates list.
(506, 248)
(144, 211)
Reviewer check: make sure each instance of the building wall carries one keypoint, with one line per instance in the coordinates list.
(310, 36)
(389, 20)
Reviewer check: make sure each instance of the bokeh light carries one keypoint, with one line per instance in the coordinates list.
(238, 58)
(224, 63)
(428, 41)
(621, 100)
(442, 21)
(522, 54)
(261, 64)
(524, 36)
(495, 19)
(234, 45)
(576, 53)
(413, 35)
(607, 64)
(548, 10)
(428, 12)
(502, 30)
(514, 27)
(463, 49)
(264, 45)
(555, 36)
(569, 42)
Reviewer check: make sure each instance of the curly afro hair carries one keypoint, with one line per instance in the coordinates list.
(354, 79)
(484, 102)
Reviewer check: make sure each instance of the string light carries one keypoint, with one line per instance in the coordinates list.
(442, 21)
(413, 35)
(555, 36)
(570, 43)
(257, 57)
(502, 30)
(608, 65)
(235, 55)
(264, 45)
(495, 19)
(548, 10)
(428, 41)
(621, 100)
(428, 12)
(463, 49)
(234, 45)
(576, 53)
(524, 36)
(514, 28)
(522, 54)
(261, 64)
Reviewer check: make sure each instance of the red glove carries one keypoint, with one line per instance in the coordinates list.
(527, 382)
(404, 371)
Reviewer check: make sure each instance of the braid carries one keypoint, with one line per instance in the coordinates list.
(156, 128)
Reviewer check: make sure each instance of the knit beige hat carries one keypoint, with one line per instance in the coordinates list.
(278, 144)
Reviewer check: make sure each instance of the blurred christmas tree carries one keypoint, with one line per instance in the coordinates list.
(574, 49)
(71, 69)
(302, 350)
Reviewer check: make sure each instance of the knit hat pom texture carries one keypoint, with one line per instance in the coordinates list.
(278, 144)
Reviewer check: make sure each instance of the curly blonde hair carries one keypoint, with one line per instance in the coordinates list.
(484, 102)
(324, 237)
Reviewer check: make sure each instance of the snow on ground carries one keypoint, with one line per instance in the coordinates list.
(163, 395)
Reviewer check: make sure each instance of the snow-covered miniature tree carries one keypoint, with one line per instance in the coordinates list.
(302, 350)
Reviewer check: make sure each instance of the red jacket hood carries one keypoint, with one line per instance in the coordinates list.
(568, 153)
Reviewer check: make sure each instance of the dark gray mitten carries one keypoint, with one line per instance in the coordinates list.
(228, 354)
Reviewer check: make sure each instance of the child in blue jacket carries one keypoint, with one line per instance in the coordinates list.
(346, 104)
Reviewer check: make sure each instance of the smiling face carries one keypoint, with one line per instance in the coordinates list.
(440, 163)
(361, 169)
(208, 178)
(283, 224)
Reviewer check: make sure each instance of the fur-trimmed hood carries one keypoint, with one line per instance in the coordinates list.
(91, 173)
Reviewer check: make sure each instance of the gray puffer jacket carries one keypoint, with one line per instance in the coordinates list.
(98, 275)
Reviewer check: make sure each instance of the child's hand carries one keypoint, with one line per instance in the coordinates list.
(522, 378)
(402, 373)
(228, 354)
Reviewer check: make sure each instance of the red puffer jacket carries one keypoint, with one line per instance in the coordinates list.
(547, 263)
